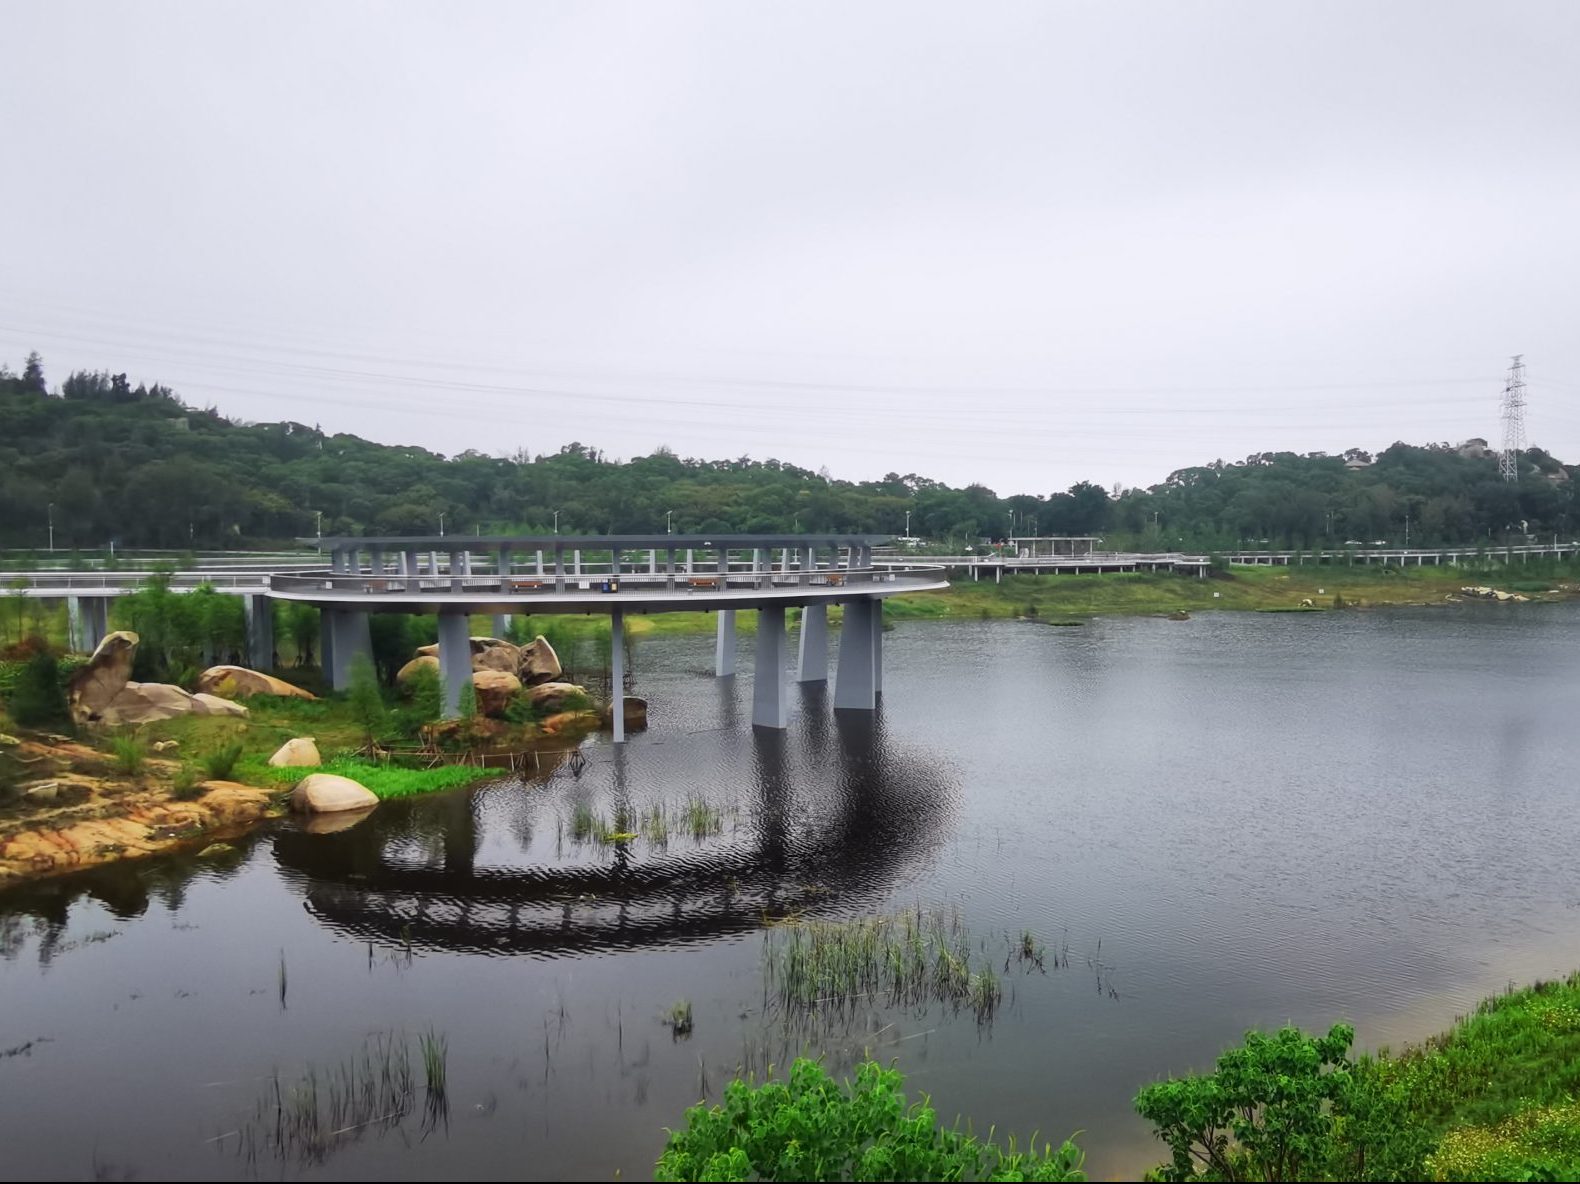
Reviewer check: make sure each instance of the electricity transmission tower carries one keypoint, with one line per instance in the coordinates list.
(1513, 421)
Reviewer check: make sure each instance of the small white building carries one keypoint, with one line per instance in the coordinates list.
(1054, 546)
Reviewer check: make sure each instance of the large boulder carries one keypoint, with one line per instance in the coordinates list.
(539, 663)
(213, 705)
(504, 657)
(494, 689)
(146, 703)
(95, 686)
(555, 696)
(327, 793)
(635, 714)
(237, 682)
(477, 644)
(300, 753)
(422, 662)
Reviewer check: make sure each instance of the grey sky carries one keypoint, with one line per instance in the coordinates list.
(1022, 244)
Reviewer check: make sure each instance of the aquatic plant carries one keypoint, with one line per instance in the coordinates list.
(815, 1128)
(307, 1118)
(679, 1020)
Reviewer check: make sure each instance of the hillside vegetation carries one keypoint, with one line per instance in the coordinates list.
(138, 465)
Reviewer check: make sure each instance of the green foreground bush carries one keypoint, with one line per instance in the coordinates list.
(814, 1128)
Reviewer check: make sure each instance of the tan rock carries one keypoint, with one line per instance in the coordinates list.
(93, 688)
(166, 745)
(146, 702)
(494, 689)
(327, 793)
(539, 663)
(555, 696)
(328, 824)
(299, 753)
(421, 662)
(237, 682)
(428, 651)
(504, 657)
(213, 705)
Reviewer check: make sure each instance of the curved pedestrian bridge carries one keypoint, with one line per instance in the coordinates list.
(458, 576)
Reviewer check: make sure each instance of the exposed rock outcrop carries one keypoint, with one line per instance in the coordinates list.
(300, 753)
(149, 702)
(328, 793)
(237, 682)
(97, 684)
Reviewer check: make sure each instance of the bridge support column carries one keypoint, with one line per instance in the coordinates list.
(855, 684)
(259, 611)
(814, 644)
(352, 637)
(326, 644)
(770, 704)
(74, 623)
(617, 674)
(724, 644)
(501, 624)
(455, 661)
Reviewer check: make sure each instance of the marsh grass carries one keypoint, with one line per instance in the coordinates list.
(305, 1119)
(130, 753)
(385, 779)
(657, 824)
(220, 762)
(910, 959)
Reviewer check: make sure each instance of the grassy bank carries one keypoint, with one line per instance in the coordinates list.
(385, 780)
(1492, 1098)
(1240, 588)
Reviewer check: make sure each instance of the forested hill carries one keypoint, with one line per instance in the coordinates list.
(141, 467)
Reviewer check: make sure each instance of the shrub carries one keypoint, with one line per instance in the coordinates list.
(364, 698)
(814, 1128)
(38, 696)
(1266, 1113)
(219, 763)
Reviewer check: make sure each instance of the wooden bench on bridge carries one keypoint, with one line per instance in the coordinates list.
(525, 585)
(697, 583)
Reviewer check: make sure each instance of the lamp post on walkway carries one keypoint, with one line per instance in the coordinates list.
(556, 522)
(668, 514)
(441, 525)
(320, 526)
(51, 528)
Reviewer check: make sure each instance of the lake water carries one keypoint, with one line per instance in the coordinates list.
(1232, 821)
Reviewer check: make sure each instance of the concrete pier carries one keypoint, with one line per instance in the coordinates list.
(724, 644)
(855, 682)
(770, 703)
(617, 674)
(259, 612)
(455, 661)
(813, 664)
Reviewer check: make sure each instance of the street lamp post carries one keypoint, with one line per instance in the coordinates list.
(556, 522)
(668, 514)
(320, 525)
(51, 528)
(907, 524)
(441, 525)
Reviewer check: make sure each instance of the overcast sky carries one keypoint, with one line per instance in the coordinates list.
(1021, 244)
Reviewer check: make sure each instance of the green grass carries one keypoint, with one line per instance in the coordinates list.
(130, 752)
(386, 781)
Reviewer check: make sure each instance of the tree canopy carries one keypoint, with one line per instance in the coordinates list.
(106, 461)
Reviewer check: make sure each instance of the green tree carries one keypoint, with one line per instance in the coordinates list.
(364, 698)
(39, 698)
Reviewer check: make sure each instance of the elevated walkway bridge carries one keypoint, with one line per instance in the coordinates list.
(456, 577)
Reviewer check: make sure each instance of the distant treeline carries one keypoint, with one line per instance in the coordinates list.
(139, 466)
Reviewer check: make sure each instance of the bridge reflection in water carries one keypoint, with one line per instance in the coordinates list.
(832, 820)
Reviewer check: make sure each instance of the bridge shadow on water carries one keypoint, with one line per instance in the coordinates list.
(833, 816)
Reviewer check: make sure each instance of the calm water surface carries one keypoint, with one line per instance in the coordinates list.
(1231, 821)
